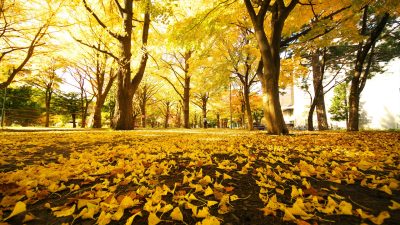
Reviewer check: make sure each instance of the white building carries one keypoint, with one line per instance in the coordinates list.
(380, 102)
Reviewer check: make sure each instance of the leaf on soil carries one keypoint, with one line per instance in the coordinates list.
(208, 191)
(212, 220)
(129, 221)
(203, 213)
(176, 214)
(395, 205)
(18, 208)
(345, 208)
(380, 218)
(65, 211)
(386, 189)
(153, 219)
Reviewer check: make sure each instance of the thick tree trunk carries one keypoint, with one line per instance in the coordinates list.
(246, 96)
(270, 50)
(123, 117)
(354, 104)
(318, 77)
(97, 111)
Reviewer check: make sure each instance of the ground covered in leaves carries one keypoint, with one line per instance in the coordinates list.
(203, 177)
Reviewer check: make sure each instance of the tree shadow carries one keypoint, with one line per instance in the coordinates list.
(389, 120)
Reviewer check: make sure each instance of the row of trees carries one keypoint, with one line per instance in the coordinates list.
(197, 49)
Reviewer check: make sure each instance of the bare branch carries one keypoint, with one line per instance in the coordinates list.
(103, 25)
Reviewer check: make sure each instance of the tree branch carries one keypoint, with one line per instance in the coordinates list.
(103, 25)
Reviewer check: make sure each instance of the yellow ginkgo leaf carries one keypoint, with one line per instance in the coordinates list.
(127, 202)
(129, 221)
(296, 210)
(203, 213)
(153, 219)
(295, 192)
(288, 216)
(166, 208)
(380, 218)
(386, 189)
(211, 203)
(233, 198)
(104, 218)
(345, 208)
(212, 220)
(208, 191)
(226, 177)
(65, 212)
(18, 208)
(363, 214)
(176, 214)
(395, 205)
(28, 217)
(118, 214)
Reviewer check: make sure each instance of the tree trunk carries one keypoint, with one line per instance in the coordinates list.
(186, 101)
(143, 112)
(97, 111)
(354, 104)
(360, 74)
(167, 112)
(318, 77)
(48, 95)
(270, 50)
(73, 120)
(310, 121)
(218, 120)
(246, 96)
(123, 116)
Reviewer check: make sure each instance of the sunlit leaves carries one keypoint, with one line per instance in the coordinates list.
(106, 183)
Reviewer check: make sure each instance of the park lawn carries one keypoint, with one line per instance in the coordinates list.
(199, 176)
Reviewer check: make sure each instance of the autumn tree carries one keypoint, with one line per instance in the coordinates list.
(82, 84)
(47, 79)
(145, 93)
(20, 35)
(178, 64)
(270, 41)
(127, 85)
(374, 18)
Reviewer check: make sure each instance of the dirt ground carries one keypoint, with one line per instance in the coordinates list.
(199, 176)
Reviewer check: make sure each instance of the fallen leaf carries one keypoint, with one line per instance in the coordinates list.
(18, 208)
(129, 221)
(395, 205)
(153, 219)
(65, 212)
(380, 218)
(176, 214)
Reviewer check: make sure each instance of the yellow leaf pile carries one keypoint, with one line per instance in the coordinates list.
(173, 175)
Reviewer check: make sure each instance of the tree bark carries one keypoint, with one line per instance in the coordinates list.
(270, 50)
(73, 120)
(246, 96)
(123, 115)
(360, 74)
(218, 120)
(97, 110)
(318, 67)
(48, 95)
